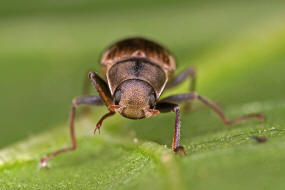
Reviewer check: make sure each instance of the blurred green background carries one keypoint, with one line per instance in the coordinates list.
(46, 48)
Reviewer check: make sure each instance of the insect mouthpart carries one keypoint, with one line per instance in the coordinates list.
(150, 112)
(116, 108)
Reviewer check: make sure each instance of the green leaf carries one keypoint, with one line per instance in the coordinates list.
(243, 73)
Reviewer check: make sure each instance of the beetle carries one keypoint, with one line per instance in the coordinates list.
(136, 72)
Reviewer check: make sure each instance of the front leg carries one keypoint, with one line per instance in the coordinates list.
(105, 97)
(181, 77)
(170, 103)
(169, 107)
(102, 88)
(91, 101)
(179, 98)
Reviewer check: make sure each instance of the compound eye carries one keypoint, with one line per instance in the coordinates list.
(117, 97)
(151, 101)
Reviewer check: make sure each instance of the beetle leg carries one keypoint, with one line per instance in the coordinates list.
(170, 103)
(92, 101)
(220, 113)
(102, 88)
(99, 124)
(181, 77)
(179, 98)
(169, 107)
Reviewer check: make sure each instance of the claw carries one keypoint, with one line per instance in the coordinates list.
(97, 127)
(180, 149)
(44, 162)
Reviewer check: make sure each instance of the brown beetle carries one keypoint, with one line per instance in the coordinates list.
(137, 71)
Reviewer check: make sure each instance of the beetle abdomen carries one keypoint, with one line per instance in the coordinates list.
(138, 48)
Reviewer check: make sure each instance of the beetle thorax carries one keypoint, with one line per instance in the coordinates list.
(136, 69)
